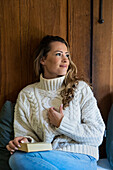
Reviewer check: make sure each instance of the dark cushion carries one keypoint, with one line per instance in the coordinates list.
(6, 133)
(109, 137)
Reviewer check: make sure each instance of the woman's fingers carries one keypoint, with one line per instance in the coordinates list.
(11, 153)
(11, 148)
(55, 117)
(61, 108)
(19, 140)
(14, 144)
(24, 140)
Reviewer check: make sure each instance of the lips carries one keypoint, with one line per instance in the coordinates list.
(63, 66)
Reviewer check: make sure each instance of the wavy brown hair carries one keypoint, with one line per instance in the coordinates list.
(71, 79)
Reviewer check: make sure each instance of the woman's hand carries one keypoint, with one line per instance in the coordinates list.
(55, 117)
(15, 143)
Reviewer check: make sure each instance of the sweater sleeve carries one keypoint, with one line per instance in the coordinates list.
(91, 128)
(22, 126)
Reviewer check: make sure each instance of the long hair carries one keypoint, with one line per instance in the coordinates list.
(71, 79)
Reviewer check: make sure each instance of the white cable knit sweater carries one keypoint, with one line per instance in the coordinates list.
(81, 129)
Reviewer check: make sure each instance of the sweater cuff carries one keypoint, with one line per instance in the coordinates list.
(66, 126)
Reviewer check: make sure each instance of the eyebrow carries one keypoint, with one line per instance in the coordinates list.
(60, 51)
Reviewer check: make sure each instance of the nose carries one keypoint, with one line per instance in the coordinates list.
(64, 58)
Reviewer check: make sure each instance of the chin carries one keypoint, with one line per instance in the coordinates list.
(63, 74)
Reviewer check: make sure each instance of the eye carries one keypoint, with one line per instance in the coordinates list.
(67, 55)
(58, 54)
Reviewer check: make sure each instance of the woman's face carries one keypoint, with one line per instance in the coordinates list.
(57, 61)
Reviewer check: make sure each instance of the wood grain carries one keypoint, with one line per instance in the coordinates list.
(24, 22)
(10, 57)
(79, 35)
(22, 25)
(111, 73)
(102, 62)
(102, 56)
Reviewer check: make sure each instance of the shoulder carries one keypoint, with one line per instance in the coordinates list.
(29, 88)
(84, 88)
(26, 91)
(81, 85)
(85, 94)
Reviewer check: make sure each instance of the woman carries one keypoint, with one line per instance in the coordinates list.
(59, 109)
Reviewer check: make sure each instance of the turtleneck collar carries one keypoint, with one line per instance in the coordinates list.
(51, 84)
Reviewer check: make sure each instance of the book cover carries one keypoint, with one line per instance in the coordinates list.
(33, 147)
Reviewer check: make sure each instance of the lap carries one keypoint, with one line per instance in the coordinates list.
(55, 160)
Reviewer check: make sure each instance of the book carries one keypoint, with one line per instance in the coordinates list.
(33, 147)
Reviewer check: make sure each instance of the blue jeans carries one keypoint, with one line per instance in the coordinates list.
(51, 160)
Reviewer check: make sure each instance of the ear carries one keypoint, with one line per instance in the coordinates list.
(42, 60)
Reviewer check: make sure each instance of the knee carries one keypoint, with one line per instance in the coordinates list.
(12, 160)
(15, 160)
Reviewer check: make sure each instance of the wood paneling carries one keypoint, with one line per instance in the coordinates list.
(102, 56)
(102, 61)
(22, 24)
(111, 78)
(10, 57)
(79, 35)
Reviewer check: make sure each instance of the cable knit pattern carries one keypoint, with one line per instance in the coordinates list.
(81, 129)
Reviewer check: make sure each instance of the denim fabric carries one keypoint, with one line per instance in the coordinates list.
(51, 160)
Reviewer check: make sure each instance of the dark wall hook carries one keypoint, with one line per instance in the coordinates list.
(101, 20)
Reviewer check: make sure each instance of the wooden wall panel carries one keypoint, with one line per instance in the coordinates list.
(22, 24)
(79, 35)
(111, 78)
(10, 57)
(102, 61)
(102, 56)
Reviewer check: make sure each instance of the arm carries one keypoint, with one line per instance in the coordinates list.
(91, 128)
(22, 126)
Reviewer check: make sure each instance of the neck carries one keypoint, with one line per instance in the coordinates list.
(51, 84)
